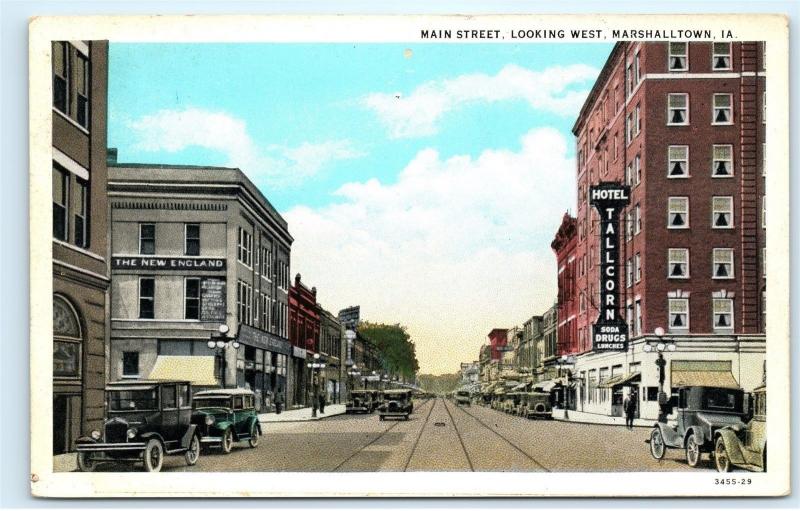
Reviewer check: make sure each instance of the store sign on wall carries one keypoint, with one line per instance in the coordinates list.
(167, 263)
(610, 332)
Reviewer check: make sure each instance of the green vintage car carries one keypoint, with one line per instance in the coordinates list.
(746, 446)
(226, 416)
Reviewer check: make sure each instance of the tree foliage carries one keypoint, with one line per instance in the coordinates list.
(396, 346)
(440, 383)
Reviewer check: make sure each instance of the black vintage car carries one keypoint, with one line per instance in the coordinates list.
(700, 411)
(360, 401)
(145, 420)
(226, 416)
(396, 403)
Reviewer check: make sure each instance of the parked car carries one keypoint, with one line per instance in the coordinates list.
(462, 397)
(511, 401)
(536, 405)
(359, 401)
(226, 416)
(396, 403)
(145, 420)
(745, 447)
(377, 397)
(701, 411)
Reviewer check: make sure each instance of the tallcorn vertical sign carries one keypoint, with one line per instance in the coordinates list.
(610, 332)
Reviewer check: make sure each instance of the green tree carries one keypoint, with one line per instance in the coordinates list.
(396, 347)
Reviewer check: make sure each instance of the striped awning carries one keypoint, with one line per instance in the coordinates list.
(703, 373)
(198, 370)
(619, 380)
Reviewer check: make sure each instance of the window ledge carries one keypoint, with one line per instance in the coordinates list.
(71, 120)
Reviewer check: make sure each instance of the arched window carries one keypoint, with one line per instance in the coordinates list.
(67, 337)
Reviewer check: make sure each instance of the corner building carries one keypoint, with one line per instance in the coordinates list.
(194, 248)
(682, 124)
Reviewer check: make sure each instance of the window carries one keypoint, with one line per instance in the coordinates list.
(638, 310)
(637, 68)
(245, 247)
(147, 288)
(637, 169)
(130, 364)
(191, 293)
(722, 161)
(265, 308)
(677, 109)
(678, 314)
(628, 225)
(723, 263)
(723, 314)
(678, 161)
(629, 79)
(637, 215)
(763, 212)
(629, 128)
(763, 159)
(60, 203)
(678, 213)
(678, 56)
(722, 212)
(638, 119)
(629, 174)
(723, 109)
(677, 263)
(191, 245)
(184, 399)
(147, 239)
(61, 61)
(169, 397)
(628, 273)
(637, 267)
(764, 108)
(721, 56)
(82, 213)
(81, 75)
(244, 302)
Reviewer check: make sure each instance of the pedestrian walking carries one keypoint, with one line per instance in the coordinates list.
(629, 406)
(321, 402)
(278, 400)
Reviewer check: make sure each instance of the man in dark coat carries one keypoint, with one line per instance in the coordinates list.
(629, 407)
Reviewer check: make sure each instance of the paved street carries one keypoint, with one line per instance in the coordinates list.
(440, 436)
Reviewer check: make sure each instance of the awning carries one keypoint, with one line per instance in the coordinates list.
(547, 385)
(198, 370)
(703, 373)
(620, 379)
(520, 387)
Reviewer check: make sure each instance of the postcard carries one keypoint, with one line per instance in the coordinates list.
(419, 255)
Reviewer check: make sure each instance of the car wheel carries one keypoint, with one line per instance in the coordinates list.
(227, 441)
(193, 453)
(657, 447)
(692, 452)
(254, 435)
(85, 462)
(721, 459)
(153, 456)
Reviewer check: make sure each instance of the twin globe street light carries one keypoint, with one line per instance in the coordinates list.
(219, 343)
(316, 366)
(660, 347)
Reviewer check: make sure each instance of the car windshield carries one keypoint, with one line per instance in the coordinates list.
(211, 402)
(133, 400)
(721, 399)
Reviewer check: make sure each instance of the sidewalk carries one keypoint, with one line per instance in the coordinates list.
(65, 462)
(301, 414)
(596, 418)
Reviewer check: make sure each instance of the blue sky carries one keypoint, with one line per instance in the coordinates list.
(424, 182)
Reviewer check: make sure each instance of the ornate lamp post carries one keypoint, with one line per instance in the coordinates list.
(315, 367)
(219, 342)
(659, 347)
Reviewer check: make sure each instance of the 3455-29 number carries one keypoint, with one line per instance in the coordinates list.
(730, 481)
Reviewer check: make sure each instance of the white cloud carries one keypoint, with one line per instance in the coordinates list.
(453, 248)
(418, 114)
(175, 130)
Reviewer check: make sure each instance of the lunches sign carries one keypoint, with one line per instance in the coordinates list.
(610, 333)
(167, 263)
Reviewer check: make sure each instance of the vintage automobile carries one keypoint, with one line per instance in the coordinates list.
(511, 402)
(462, 397)
(360, 402)
(536, 405)
(745, 446)
(226, 416)
(396, 403)
(700, 412)
(145, 420)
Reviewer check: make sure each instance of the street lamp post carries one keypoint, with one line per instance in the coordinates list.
(219, 343)
(315, 367)
(659, 347)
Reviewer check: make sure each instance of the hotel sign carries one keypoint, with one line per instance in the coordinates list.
(167, 263)
(610, 332)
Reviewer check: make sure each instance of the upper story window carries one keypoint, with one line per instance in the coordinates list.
(678, 263)
(245, 246)
(82, 89)
(723, 109)
(723, 263)
(60, 203)
(721, 56)
(637, 169)
(637, 267)
(637, 68)
(61, 72)
(678, 213)
(678, 161)
(722, 161)
(82, 213)
(147, 239)
(637, 215)
(679, 56)
(722, 212)
(191, 295)
(723, 314)
(147, 294)
(678, 313)
(677, 109)
(192, 239)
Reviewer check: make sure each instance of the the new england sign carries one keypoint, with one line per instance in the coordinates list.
(610, 332)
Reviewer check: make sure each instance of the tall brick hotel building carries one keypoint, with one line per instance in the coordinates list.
(683, 125)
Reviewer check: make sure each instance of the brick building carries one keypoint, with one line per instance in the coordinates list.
(682, 124)
(565, 246)
(304, 335)
(80, 238)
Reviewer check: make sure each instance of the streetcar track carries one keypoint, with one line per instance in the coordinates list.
(502, 437)
(458, 434)
(416, 441)
(380, 435)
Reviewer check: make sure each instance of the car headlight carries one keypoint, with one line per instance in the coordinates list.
(131, 432)
(209, 420)
(95, 434)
